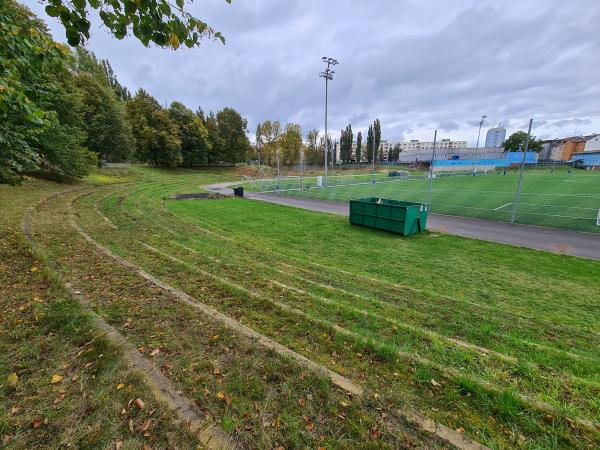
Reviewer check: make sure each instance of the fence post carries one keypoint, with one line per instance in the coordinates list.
(431, 171)
(521, 172)
(302, 173)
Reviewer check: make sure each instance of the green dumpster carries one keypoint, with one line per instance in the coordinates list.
(389, 215)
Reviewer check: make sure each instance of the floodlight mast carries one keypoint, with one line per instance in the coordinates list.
(481, 122)
(328, 75)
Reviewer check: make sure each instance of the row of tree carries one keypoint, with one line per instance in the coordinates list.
(285, 146)
(64, 111)
(276, 146)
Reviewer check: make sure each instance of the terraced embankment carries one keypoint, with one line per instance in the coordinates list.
(359, 336)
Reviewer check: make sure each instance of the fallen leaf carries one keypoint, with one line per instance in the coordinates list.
(460, 429)
(146, 425)
(435, 383)
(375, 432)
(220, 395)
(15, 409)
(34, 269)
(310, 426)
(130, 424)
(147, 447)
(217, 371)
(74, 377)
(155, 352)
(120, 386)
(301, 401)
(37, 422)
(118, 445)
(6, 439)
(139, 403)
(12, 379)
(56, 379)
(344, 404)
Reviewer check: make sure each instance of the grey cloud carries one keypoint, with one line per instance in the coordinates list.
(416, 65)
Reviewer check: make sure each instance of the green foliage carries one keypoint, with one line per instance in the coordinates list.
(516, 143)
(291, 144)
(214, 138)
(395, 153)
(39, 108)
(232, 128)
(268, 135)
(346, 139)
(158, 21)
(359, 147)
(157, 137)
(121, 92)
(108, 133)
(313, 154)
(370, 150)
(195, 145)
(377, 137)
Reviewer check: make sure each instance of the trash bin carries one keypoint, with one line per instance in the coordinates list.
(395, 216)
(238, 191)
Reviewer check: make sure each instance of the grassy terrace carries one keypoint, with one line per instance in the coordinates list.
(550, 197)
(499, 342)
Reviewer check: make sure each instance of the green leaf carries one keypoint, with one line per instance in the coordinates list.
(79, 4)
(52, 11)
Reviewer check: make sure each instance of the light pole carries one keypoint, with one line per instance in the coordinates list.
(328, 75)
(479, 134)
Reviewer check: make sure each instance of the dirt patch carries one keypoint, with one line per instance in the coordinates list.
(199, 195)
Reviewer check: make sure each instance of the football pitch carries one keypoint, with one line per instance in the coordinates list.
(559, 198)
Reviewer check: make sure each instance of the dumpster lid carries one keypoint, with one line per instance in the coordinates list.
(387, 201)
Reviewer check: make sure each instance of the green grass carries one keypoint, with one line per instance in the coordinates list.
(549, 197)
(44, 332)
(461, 330)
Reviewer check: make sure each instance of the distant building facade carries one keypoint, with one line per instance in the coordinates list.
(495, 137)
(563, 149)
(592, 144)
(410, 148)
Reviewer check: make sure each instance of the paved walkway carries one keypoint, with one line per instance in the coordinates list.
(584, 245)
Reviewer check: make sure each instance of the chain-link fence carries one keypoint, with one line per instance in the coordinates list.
(556, 183)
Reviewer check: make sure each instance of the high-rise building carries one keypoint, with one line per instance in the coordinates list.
(495, 137)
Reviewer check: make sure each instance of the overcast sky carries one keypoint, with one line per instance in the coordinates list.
(416, 64)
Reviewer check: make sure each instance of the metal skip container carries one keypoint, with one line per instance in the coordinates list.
(395, 216)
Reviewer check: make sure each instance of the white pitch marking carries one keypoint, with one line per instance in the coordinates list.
(503, 206)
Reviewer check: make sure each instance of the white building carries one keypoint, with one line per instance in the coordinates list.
(495, 137)
(592, 144)
(414, 148)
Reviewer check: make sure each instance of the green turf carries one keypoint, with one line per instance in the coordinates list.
(549, 197)
(463, 331)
